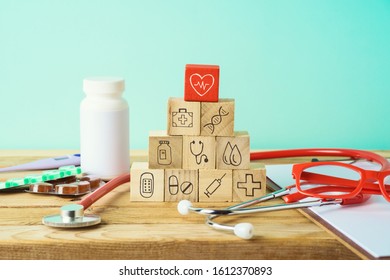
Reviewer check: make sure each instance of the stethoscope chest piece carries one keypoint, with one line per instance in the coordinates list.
(72, 216)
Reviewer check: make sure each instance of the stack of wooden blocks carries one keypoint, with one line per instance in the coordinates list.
(200, 157)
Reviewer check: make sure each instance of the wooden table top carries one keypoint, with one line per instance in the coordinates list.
(135, 230)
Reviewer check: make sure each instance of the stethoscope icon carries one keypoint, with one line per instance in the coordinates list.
(198, 152)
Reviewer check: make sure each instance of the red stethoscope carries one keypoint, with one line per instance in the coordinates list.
(328, 190)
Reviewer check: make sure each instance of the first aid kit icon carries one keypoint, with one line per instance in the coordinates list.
(182, 118)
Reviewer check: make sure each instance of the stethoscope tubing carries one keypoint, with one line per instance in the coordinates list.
(215, 213)
(245, 230)
(268, 208)
(102, 191)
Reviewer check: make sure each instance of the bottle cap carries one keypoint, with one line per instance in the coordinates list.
(103, 85)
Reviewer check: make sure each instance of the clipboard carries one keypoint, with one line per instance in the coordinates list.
(365, 228)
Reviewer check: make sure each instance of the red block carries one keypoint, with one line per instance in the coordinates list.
(201, 83)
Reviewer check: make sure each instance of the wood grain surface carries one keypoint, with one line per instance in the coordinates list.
(151, 230)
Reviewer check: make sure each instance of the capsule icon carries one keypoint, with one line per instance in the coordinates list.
(173, 185)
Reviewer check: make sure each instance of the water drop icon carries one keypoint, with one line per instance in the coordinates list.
(235, 156)
(232, 155)
(227, 153)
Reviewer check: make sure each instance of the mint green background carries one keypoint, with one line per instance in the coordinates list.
(303, 73)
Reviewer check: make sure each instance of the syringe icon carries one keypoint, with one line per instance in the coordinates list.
(213, 186)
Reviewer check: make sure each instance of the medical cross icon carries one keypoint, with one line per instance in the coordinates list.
(182, 119)
(249, 185)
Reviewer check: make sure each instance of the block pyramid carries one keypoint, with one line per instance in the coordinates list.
(199, 157)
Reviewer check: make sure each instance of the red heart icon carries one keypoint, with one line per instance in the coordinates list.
(201, 84)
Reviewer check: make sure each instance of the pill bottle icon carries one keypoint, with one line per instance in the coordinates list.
(164, 153)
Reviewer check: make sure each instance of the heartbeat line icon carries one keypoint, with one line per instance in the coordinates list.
(201, 84)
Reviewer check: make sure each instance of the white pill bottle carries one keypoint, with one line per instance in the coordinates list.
(104, 128)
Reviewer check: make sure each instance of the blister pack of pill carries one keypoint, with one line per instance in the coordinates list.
(72, 186)
(64, 181)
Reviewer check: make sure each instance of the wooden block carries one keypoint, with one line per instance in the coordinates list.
(249, 183)
(181, 184)
(146, 184)
(215, 185)
(201, 83)
(198, 152)
(233, 152)
(217, 118)
(165, 151)
(183, 117)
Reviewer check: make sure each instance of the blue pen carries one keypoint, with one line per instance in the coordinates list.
(47, 163)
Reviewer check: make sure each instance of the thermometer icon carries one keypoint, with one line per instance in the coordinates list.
(213, 186)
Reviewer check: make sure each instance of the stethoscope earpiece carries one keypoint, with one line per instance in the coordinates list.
(72, 216)
(183, 207)
(244, 230)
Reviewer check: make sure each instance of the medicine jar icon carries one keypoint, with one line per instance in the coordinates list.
(164, 153)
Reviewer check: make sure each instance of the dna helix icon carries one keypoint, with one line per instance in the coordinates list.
(216, 119)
